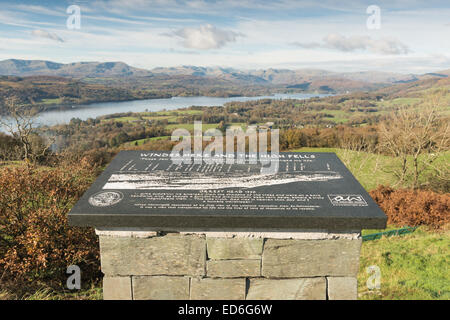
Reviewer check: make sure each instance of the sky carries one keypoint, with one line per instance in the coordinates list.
(355, 35)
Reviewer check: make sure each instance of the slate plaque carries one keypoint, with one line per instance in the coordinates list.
(147, 189)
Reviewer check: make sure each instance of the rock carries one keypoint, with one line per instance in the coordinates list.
(217, 289)
(342, 288)
(160, 288)
(287, 289)
(233, 268)
(306, 258)
(234, 248)
(117, 288)
(168, 255)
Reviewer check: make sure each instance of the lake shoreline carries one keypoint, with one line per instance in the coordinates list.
(69, 106)
(60, 116)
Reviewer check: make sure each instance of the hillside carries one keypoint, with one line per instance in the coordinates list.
(303, 79)
(194, 78)
(43, 91)
(287, 76)
(417, 88)
(17, 67)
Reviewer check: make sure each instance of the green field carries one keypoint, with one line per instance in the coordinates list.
(190, 126)
(413, 266)
(51, 101)
(399, 102)
(339, 116)
(173, 117)
(142, 141)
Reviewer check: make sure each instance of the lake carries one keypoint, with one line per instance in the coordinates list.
(95, 110)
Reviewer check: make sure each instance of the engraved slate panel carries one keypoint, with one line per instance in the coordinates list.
(307, 191)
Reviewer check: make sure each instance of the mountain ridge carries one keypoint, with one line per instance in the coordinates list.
(298, 79)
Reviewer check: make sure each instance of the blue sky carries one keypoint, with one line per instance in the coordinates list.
(413, 36)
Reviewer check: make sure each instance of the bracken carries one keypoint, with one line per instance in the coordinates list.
(413, 207)
(36, 243)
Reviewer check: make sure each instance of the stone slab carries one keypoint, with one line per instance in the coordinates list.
(160, 288)
(147, 189)
(218, 289)
(117, 288)
(287, 289)
(305, 234)
(167, 255)
(233, 268)
(342, 288)
(234, 248)
(304, 258)
(280, 234)
(125, 232)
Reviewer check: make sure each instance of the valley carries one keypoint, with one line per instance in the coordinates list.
(46, 85)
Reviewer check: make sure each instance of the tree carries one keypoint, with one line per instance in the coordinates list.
(20, 123)
(418, 137)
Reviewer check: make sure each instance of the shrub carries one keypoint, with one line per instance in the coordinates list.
(36, 243)
(413, 207)
(93, 158)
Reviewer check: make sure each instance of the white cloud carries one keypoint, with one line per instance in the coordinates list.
(388, 46)
(339, 42)
(205, 37)
(155, 32)
(45, 34)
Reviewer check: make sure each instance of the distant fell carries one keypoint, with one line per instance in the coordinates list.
(307, 80)
(15, 67)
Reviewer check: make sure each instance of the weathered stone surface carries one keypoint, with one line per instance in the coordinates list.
(217, 289)
(233, 268)
(305, 258)
(117, 288)
(255, 233)
(287, 289)
(168, 255)
(125, 232)
(234, 248)
(160, 288)
(342, 288)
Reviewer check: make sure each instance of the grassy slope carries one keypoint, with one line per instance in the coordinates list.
(411, 95)
(413, 266)
(367, 168)
(142, 141)
(371, 170)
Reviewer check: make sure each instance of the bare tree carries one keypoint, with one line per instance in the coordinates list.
(417, 137)
(20, 123)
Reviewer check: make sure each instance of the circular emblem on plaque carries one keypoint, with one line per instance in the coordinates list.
(105, 198)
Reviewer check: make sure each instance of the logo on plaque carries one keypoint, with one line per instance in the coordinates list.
(105, 198)
(347, 200)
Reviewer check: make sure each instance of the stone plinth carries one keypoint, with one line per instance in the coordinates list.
(182, 227)
(148, 265)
